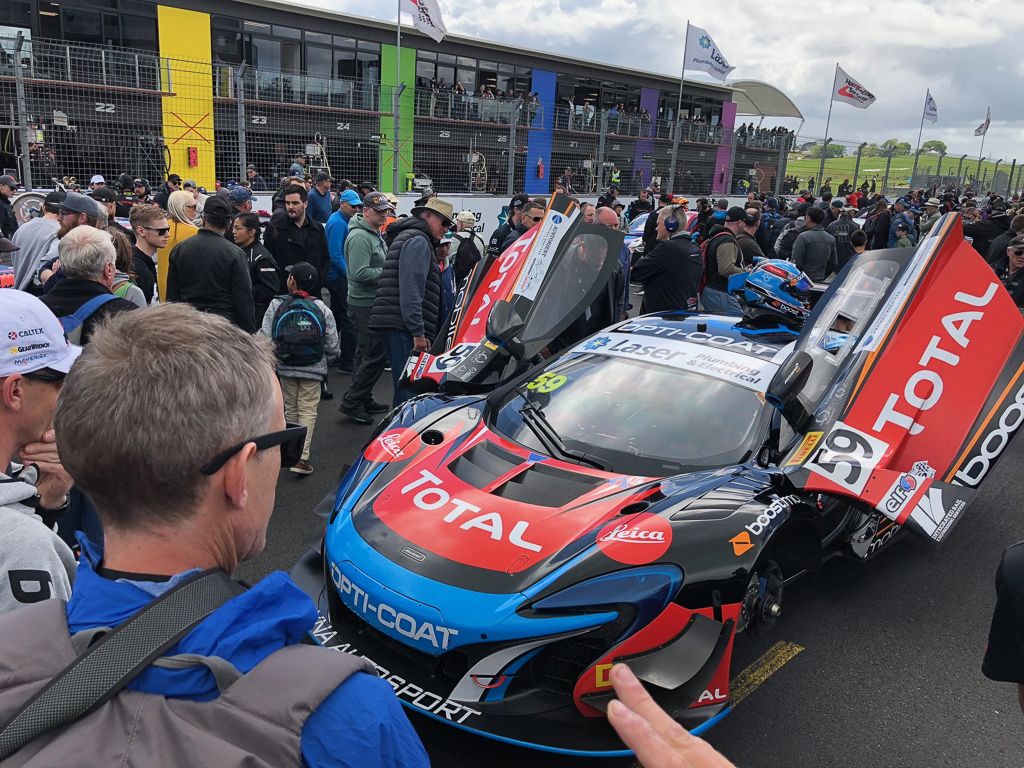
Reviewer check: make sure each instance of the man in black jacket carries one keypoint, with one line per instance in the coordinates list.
(87, 259)
(1010, 270)
(210, 273)
(985, 231)
(173, 184)
(650, 236)
(531, 216)
(515, 211)
(671, 271)
(149, 222)
(291, 236)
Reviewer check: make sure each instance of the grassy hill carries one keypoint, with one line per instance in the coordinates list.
(840, 168)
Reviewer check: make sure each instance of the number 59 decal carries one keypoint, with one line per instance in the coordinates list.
(847, 456)
(547, 382)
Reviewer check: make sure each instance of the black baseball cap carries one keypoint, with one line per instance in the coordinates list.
(53, 200)
(322, 177)
(174, 178)
(665, 197)
(104, 195)
(218, 206)
(735, 214)
(366, 185)
(305, 274)
(518, 202)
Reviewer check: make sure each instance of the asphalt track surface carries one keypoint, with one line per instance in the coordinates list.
(890, 671)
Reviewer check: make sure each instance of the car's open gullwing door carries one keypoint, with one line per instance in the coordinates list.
(550, 275)
(916, 382)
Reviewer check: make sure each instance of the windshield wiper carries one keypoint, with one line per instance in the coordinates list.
(549, 438)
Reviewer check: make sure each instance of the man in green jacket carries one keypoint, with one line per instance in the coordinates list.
(364, 256)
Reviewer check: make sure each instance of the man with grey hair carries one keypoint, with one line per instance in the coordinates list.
(86, 257)
(185, 488)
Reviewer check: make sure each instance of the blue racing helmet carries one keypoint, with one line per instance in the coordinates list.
(773, 290)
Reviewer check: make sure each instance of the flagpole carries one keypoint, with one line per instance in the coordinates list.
(920, 132)
(828, 122)
(977, 172)
(395, 97)
(679, 108)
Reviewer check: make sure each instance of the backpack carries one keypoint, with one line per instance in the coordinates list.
(869, 224)
(466, 256)
(705, 250)
(73, 323)
(298, 331)
(120, 287)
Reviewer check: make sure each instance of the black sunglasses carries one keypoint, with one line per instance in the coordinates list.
(290, 439)
(1018, 251)
(162, 230)
(535, 219)
(46, 374)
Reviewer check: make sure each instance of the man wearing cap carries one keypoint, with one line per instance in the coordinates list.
(107, 199)
(320, 203)
(173, 184)
(642, 204)
(724, 258)
(364, 189)
(97, 182)
(468, 247)
(240, 199)
(900, 214)
(8, 219)
(997, 250)
(257, 182)
(985, 231)
(87, 268)
(1010, 269)
(515, 211)
(814, 250)
(931, 215)
(531, 216)
(211, 273)
(650, 236)
(33, 240)
(365, 254)
(75, 210)
(140, 191)
(349, 205)
(298, 166)
(407, 309)
(34, 563)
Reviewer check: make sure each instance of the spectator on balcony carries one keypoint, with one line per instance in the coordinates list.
(298, 166)
(256, 182)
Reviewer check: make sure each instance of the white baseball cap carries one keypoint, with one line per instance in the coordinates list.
(33, 337)
(97, 179)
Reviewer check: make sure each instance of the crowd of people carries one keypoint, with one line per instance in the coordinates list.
(208, 342)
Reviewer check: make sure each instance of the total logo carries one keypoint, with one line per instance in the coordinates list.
(393, 445)
(639, 540)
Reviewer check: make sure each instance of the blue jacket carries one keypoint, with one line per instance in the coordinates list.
(907, 219)
(361, 724)
(337, 231)
(318, 207)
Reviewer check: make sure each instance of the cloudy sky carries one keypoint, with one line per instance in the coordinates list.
(967, 52)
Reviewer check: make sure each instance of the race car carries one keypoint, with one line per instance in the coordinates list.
(645, 496)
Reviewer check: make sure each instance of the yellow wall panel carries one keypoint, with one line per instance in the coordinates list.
(188, 88)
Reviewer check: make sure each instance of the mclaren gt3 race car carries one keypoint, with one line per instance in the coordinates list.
(644, 496)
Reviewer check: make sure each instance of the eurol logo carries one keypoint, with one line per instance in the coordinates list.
(637, 540)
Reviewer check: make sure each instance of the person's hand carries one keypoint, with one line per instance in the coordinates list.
(420, 344)
(657, 740)
(54, 482)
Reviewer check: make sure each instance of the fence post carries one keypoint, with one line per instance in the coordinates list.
(19, 81)
(856, 167)
(240, 102)
(780, 168)
(821, 165)
(960, 168)
(1009, 178)
(888, 164)
(938, 169)
(913, 173)
(397, 113)
(511, 183)
(995, 173)
(599, 162)
(670, 187)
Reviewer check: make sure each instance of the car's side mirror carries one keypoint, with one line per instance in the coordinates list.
(789, 380)
(503, 327)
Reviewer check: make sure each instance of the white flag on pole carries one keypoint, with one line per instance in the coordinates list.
(931, 110)
(849, 91)
(703, 54)
(982, 129)
(426, 17)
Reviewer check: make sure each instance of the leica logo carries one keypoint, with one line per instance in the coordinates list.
(634, 535)
(391, 443)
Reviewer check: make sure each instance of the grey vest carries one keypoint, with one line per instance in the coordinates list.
(256, 723)
(387, 307)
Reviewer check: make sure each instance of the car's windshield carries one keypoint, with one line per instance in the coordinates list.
(642, 418)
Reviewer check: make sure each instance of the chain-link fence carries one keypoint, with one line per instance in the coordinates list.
(74, 110)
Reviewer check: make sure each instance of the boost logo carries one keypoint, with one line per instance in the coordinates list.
(392, 446)
(639, 540)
